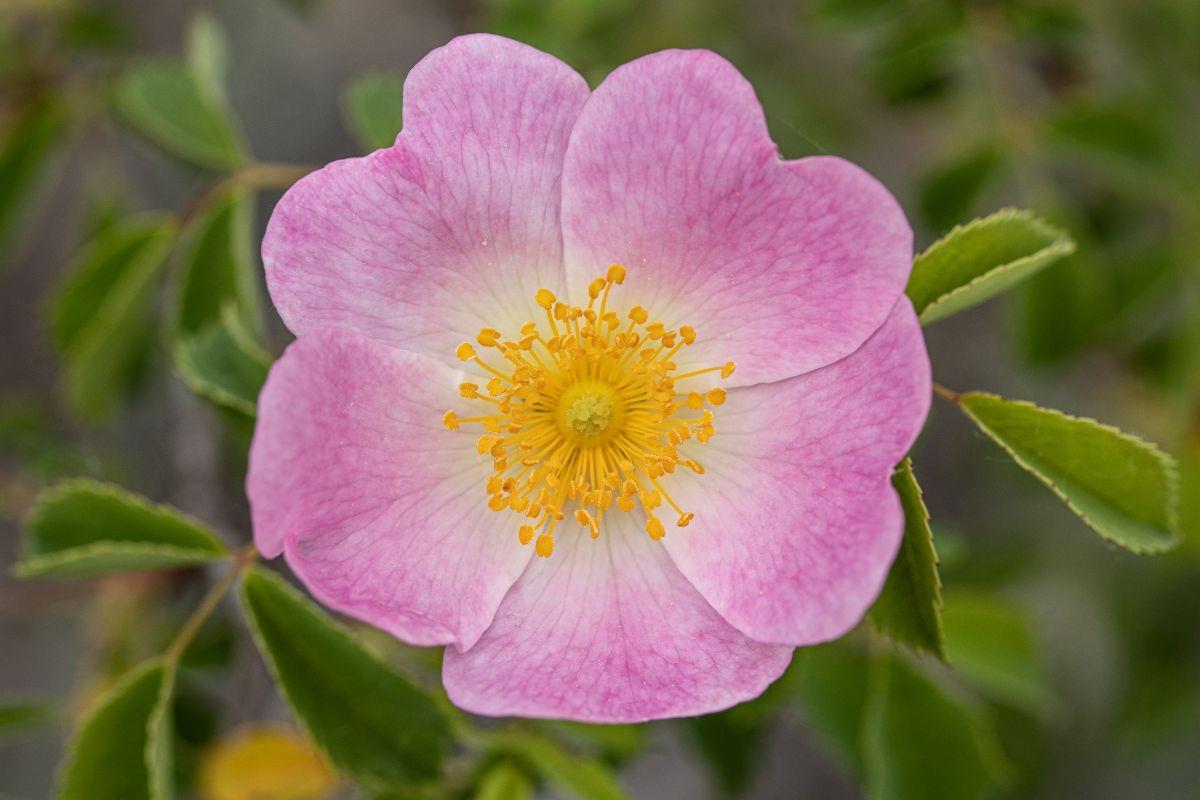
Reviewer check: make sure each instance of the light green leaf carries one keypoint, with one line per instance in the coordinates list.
(909, 608)
(504, 782)
(577, 776)
(18, 719)
(373, 106)
(83, 528)
(990, 643)
(208, 57)
(27, 147)
(977, 261)
(224, 364)
(1122, 487)
(100, 318)
(919, 743)
(373, 724)
(169, 106)
(219, 266)
(122, 750)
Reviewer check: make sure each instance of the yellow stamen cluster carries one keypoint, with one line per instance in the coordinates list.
(584, 412)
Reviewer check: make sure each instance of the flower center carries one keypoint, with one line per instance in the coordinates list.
(586, 414)
(590, 413)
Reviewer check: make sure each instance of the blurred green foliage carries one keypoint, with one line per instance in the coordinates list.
(1086, 110)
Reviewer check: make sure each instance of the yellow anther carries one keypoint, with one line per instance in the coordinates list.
(728, 369)
(586, 414)
(654, 528)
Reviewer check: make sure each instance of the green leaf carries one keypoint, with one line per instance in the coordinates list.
(1113, 131)
(18, 719)
(909, 608)
(100, 318)
(947, 195)
(208, 57)
(224, 364)
(504, 782)
(82, 527)
(374, 725)
(977, 261)
(219, 265)
(831, 681)
(122, 750)
(577, 776)
(373, 105)
(1122, 487)
(169, 106)
(990, 643)
(27, 148)
(920, 743)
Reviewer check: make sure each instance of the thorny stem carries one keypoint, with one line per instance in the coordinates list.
(241, 559)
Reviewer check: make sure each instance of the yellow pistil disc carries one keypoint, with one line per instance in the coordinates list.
(580, 414)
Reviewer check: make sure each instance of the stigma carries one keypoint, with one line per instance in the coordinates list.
(581, 415)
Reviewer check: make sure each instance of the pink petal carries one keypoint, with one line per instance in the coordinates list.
(452, 229)
(796, 519)
(380, 511)
(781, 266)
(607, 630)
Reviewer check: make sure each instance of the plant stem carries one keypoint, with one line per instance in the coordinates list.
(944, 393)
(241, 558)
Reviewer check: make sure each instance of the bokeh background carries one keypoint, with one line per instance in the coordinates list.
(1079, 662)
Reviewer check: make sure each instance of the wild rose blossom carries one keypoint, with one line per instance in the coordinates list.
(591, 386)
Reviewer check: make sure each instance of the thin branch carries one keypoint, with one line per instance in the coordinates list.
(241, 559)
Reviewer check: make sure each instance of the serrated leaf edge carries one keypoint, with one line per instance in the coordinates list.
(1170, 469)
(1063, 245)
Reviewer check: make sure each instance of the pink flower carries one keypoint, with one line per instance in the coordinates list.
(517, 337)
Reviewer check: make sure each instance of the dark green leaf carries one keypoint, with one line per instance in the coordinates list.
(919, 743)
(577, 776)
(121, 752)
(915, 58)
(1058, 312)
(83, 528)
(504, 782)
(166, 103)
(976, 261)
(373, 724)
(831, 680)
(948, 194)
(100, 318)
(27, 147)
(219, 266)
(1111, 131)
(991, 644)
(1122, 487)
(909, 608)
(224, 364)
(373, 105)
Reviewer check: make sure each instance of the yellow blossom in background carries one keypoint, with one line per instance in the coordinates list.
(265, 763)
